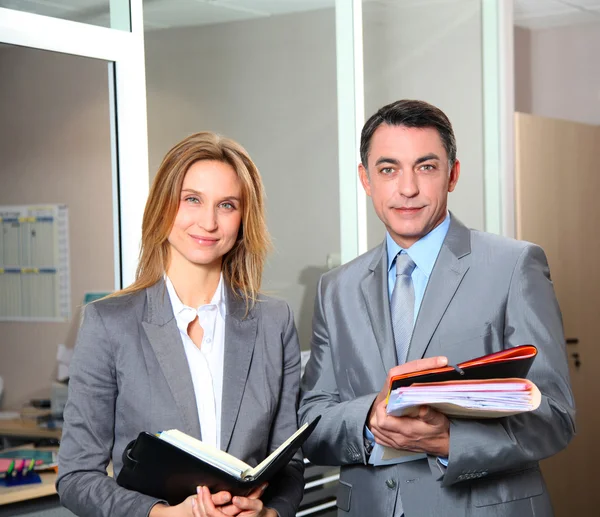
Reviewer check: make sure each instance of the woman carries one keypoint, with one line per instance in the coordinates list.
(189, 345)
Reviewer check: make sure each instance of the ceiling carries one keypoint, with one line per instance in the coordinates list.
(542, 14)
(158, 14)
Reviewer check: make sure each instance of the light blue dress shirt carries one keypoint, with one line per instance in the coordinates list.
(423, 253)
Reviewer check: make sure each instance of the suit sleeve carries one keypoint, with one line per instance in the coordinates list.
(88, 433)
(285, 492)
(339, 437)
(482, 447)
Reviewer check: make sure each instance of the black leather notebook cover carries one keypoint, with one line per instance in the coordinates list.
(513, 362)
(156, 468)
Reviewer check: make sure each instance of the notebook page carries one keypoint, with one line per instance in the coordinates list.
(269, 459)
(211, 455)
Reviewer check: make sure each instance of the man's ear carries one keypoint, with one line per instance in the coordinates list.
(454, 175)
(363, 174)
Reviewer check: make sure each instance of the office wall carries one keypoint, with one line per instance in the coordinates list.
(55, 148)
(271, 84)
(563, 79)
(431, 52)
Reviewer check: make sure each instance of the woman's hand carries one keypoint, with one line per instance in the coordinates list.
(185, 509)
(250, 506)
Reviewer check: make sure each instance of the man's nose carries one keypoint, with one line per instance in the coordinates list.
(407, 183)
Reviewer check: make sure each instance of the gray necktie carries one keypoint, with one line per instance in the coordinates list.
(403, 305)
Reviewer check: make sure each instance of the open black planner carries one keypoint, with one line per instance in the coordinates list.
(171, 464)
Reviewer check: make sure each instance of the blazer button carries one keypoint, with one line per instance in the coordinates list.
(390, 483)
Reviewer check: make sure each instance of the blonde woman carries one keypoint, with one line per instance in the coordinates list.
(191, 345)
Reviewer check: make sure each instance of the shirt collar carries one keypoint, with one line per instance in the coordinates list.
(217, 300)
(424, 252)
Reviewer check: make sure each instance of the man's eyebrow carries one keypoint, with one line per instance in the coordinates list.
(385, 159)
(427, 157)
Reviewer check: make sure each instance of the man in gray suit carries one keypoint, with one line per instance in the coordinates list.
(433, 291)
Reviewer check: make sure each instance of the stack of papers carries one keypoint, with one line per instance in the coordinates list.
(492, 398)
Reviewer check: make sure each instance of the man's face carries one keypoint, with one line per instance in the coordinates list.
(408, 179)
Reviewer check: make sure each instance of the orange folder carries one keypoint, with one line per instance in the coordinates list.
(510, 363)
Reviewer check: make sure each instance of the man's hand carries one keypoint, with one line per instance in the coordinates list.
(425, 431)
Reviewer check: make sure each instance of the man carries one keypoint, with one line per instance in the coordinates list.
(432, 292)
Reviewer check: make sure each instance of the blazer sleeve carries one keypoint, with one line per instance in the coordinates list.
(88, 433)
(482, 447)
(339, 437)
(285, 492)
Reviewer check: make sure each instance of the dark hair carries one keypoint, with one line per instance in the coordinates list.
(409, 113)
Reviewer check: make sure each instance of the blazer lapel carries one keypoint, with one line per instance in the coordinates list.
(448, 272)
(162, 332)
(375, 290)
(240, 336)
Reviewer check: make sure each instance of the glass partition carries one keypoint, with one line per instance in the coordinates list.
(267, 80)
(431, 51)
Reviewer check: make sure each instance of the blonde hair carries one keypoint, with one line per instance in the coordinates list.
(243, 265)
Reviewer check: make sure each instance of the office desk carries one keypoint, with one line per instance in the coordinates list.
(15, 494)
(18, 493)
(25, 428)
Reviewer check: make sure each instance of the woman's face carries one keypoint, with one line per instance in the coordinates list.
(209, 215)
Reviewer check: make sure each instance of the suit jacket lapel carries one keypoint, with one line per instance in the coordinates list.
(162, 332)
(450, 268)
(240, 336)
(375, 290)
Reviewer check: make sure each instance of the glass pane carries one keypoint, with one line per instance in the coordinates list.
(267, 80)
(431, 51)
(103, 13)
(55, 143)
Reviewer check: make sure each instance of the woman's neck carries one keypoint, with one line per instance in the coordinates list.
(195, 284)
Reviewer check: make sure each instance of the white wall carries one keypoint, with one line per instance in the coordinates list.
(563, 80)
(271, 85)
(55, 148)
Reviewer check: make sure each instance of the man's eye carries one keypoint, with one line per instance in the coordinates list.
(427, 167)
(386, 170)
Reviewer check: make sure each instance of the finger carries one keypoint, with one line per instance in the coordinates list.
(206, 502)
(200, 501)
(245, 503)
(430, 416)
(383, 440)
(418, 365)
(221, 498)
(229, 509)
(195, 507)
(258, 491)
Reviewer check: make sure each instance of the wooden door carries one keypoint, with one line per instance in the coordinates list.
(558, 207)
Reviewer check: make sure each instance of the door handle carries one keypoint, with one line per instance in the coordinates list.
(572, 341)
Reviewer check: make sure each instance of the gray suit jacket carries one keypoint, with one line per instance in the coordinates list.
(129, 374)
(486, 293)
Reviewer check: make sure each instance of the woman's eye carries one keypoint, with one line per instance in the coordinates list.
(192, 199)
(227, 205)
